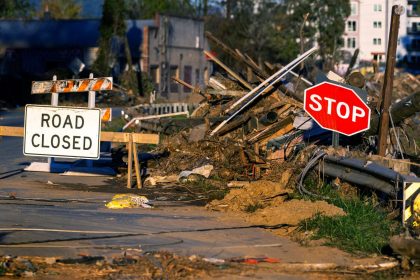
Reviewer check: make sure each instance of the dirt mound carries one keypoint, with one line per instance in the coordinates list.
(254, 194)
(265, 202)
(292, 212)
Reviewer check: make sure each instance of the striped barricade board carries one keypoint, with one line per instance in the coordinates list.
(77, 85)
(411, 204)
(106, 114)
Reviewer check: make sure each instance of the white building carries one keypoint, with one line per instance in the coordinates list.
(411, 42)
(367, 28)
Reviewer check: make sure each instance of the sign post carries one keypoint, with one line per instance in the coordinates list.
(337, 108)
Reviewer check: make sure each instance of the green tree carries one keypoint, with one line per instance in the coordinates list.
(147, 9)
(245, 26)
(272, 30)
(325, 25)
(112, 30)
(61, 9)
(12, 9)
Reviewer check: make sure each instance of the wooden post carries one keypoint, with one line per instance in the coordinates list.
(130, 161)
(137, 166)
(228, 70)
(352, 62)
(257, 169)
(389, 78)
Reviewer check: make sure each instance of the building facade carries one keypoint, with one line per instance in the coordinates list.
(174, 48)
(367, 28)
(411, 42)
(163, 47)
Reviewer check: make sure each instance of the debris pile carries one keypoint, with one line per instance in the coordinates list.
(252, 129)
(246, 125)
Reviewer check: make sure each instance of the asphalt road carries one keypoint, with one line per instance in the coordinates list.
(47, 218)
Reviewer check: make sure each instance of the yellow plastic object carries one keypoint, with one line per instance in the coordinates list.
(120, 201)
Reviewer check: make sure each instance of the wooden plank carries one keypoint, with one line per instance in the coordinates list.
(139, 138)
(269, 130)
(137, 166)
(283, 109)
(181, 82)
(278, 133)
(227, 69)
(234, 124)
(106, 136)
(11, 131)
(252, 62)
(257, 169)
(130, 162)
(227, 92)
(237, 55)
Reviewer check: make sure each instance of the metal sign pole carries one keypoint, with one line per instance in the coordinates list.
(91, 105)
(54, 102)
(335, 139)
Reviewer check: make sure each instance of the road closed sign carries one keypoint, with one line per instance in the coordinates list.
(62, 132)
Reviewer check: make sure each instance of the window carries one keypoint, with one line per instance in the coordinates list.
(377, 24)
(377, 8)
(415, 44)
(377, 57)
(351, 43)
(206, 74)
(197, 76)
(187, 77)
(377, 41)
(173, 72)
(353, 9)
(415, 26)
(351, 25)
(154, 74)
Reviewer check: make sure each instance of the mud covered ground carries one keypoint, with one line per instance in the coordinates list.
(163, 265)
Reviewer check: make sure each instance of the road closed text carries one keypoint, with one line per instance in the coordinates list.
(62, 132)
(62, 141)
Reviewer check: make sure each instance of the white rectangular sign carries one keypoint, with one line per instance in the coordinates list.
(65, 132)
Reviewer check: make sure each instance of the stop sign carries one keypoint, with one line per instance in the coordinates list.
(337, 108)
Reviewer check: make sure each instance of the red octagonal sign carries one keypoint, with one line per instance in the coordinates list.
(337, 108)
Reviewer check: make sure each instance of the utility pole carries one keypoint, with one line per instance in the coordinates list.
(386, 94)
